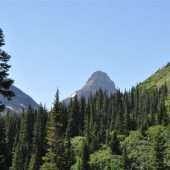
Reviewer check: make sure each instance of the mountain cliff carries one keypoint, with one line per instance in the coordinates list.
(97, 80)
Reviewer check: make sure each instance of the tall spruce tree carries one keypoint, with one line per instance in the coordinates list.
(38, 139)
(5, 82)
(54, 159)
(82, 114)
(74, 118)
(84, 157)
(159, 149)
(11, 130)
(23, 148)
(2, 145)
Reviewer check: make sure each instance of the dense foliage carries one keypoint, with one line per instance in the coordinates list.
(5, 81)
(123, 131)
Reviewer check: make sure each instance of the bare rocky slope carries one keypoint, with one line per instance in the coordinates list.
(97, 80)
(19, 102)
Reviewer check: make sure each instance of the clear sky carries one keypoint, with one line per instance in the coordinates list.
(60, 43)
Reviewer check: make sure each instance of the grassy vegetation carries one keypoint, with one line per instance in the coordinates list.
(157, 80)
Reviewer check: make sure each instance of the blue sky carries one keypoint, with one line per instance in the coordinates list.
(61, 43)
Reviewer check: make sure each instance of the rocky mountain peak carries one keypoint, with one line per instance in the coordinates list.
(97, 80)
(98, 75)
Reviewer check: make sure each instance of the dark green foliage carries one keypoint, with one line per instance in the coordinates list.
(69, 153)
(159, 141)
(74, 118)
(126, 162)
(54, 159)
(23, 148)
(12, 124)
(39, 134)
(3, 147)
(115, 144)
(82, 114)
(84, 157)
(5, 82)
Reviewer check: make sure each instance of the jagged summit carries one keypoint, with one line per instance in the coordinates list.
(97, 80)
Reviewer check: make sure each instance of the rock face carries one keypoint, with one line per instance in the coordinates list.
(19, 102)
(98, 80)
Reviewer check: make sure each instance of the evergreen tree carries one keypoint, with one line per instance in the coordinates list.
(5, 82)
(69, 153)
(84, 157)
(74, 118)
(159, 149)
(11, 129)
(3, 147)
(125, 159)
(23, 148)
(38, 139)
(54, 159)
(115, 144)
(82, 114)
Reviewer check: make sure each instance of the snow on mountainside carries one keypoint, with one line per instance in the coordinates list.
(97, 80)
(19, 102)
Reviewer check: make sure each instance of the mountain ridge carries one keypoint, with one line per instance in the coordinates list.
(20, 101)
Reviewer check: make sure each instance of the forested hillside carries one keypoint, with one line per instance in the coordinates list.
(158, 79)
(123, 131)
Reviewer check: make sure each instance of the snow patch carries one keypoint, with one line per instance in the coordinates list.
(23, 105)
(10, 108)
(73, 95)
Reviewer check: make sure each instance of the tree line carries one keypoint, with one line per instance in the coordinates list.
(115, 129)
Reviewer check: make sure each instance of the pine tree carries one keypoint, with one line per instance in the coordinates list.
(5, 82)
(162, 115)
(82, 114)
(23, 148)
(54, 159)
(11, 123)
(159, 149)
(38, 139)
(115, 144)
(127, 120)
(84, 157)
(64, 111)
(74, 118)
(69, 153)
(119, 124)
(125, 159)
(165, 117)
(2, 145)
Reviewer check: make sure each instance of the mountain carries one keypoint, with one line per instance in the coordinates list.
(19, 102)
(97, 80)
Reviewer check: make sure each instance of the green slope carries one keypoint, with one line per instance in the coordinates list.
(157, 80)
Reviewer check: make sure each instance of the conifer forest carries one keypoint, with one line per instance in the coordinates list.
(124, 131)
